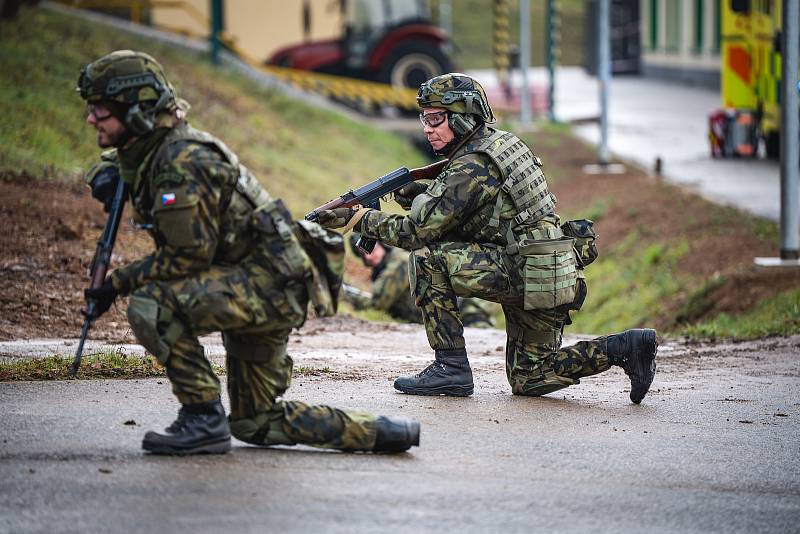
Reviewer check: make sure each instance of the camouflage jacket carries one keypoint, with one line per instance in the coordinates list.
(181, 192)
(458, 206)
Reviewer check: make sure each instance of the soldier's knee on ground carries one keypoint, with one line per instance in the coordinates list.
(154, 325)
(263, 429)
(545, 383)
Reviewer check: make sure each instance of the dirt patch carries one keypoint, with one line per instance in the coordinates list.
(50, 231)
(721, 241)
(48, 240)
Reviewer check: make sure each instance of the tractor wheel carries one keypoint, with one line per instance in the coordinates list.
(411, 64)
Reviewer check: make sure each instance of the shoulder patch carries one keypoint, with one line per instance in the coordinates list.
(174, 197)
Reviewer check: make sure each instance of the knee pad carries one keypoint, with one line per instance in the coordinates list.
(547, 382)
(154, 325)
(264, 429)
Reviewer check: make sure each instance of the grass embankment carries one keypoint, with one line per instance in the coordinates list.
(302, 154)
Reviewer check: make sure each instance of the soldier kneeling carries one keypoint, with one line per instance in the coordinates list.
(227, 258)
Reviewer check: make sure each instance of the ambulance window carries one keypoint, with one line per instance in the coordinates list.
(740, 6)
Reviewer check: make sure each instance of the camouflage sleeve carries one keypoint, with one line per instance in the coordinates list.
(392, 284)
(467, 184)
(108, 158)
(186, 198)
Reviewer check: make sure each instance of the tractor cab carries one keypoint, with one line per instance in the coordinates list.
(389, 41)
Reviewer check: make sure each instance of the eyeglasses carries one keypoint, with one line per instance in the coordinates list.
(433, 119)
(100, 113)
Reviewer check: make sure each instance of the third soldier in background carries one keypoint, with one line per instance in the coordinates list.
(486, 227)
(391, 294)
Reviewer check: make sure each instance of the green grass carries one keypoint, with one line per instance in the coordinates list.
(367, 314)
(472, 32)
(107, 365)
(94, 366)
(776, 316)
(302, 154)
(628, 284)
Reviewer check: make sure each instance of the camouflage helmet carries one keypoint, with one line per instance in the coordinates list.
(128, 78)
(457, 93)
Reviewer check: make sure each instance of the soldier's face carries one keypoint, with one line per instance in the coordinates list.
(438, 133)
(110, 129)
(374, 258)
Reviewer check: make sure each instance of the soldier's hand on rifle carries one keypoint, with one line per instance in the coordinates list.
(104, 296)
(336, 218)
(406, 194)
(102, 178)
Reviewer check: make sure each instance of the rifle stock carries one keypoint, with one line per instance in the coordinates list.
(100, 264)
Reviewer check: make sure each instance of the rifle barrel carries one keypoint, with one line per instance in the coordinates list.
(76, 362)
(100, 263)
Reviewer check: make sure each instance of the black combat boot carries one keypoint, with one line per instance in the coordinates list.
(449, 374)
(395, 434)
(199, 429)
(635, 351)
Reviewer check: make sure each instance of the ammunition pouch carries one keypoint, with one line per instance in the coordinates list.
(325, 248)
(582, 230)
(285, 257)
(550, 273)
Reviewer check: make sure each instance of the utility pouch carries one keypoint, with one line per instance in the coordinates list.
(285, 255)
(550, 273)
(580, 294)
(583, 232)
(326, 250)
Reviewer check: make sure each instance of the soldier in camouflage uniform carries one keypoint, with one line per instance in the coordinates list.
(390, 289)
(227, 258)
(486, 227)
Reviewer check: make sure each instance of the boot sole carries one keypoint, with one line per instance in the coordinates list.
(450, 391)
(653, 341)
(214, 447)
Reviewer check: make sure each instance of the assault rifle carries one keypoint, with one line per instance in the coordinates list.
(100, 263)
(370, 195)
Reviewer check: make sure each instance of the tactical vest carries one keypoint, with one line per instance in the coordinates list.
(251, 220)
(550, 273)
(523, 179)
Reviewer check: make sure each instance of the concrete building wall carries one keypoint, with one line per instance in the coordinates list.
(259, 27)
(680, 40)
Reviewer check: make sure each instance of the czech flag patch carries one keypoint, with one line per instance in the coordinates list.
(167, 199)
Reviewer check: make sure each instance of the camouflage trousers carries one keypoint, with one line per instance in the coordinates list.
(255, 315)
(536, 363)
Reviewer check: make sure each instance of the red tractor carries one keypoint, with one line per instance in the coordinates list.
(388, 41)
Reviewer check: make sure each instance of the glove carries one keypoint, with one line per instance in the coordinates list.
(336, 218)
(103, 179)
(406, 194)
(104, 296)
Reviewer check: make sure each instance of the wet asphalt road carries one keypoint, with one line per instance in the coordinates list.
(713, 448)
